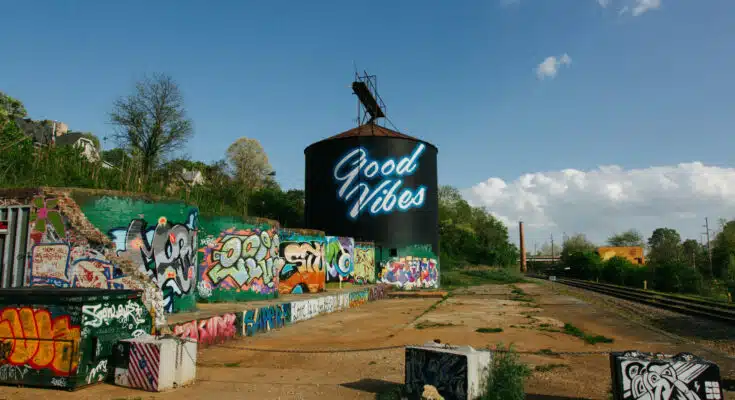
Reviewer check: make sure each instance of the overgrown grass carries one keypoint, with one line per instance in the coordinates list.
(550, 367)
(429, 324)
(570, 329)
(517, 294)
(507, 376)
(232, 365)
(457, 278)
(489, 330)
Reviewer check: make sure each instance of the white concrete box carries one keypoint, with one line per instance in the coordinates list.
(457, 372)
(155, 364)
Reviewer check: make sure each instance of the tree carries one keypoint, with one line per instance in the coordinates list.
(664, 246)
(723, 247)
(577, 244)
(273, 203)
(249, 163)
(628, 238)
(152, 121)
(10, 109)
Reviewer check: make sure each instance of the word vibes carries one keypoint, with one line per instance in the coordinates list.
(355, 168)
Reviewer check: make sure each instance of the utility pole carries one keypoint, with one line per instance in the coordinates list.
(523, 247)
(553, 262)
(709, 247)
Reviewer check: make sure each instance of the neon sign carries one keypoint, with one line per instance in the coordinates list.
(354, 168)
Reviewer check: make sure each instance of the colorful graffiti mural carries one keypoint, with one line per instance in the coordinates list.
(240, 265)
(304, 269)
(62, 258)
(56, 337)
(358, 298)
(410, 272)
(338, 258)
(166, 252)
(364, 261)
(209, 331)
(376, 292)
(265, 319)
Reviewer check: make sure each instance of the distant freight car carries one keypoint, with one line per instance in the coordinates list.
(633, 254)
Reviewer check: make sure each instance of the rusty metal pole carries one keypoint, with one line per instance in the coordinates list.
(523, 247)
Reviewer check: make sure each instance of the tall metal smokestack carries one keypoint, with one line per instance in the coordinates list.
(523, 247)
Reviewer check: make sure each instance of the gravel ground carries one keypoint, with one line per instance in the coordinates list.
(713, 335)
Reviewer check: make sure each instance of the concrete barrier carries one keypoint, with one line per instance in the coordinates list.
(637, 375)
(457, 372)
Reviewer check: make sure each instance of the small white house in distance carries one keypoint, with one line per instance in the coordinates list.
(76, 139)
(192, 178)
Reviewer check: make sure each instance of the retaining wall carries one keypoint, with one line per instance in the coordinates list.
(255, 320)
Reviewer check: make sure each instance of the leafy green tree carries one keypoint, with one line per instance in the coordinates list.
(152, 121)
(723, 247)
(10, 109)
(616, 269)
(629, 238)
(664, 246)
(273, 203)
(583, 265)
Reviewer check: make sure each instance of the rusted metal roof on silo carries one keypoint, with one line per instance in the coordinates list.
(372, 130)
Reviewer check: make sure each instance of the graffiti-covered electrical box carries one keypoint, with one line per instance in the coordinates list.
(637, 375)
(64, 337)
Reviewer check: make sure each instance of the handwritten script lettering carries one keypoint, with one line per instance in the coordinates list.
(388, 194)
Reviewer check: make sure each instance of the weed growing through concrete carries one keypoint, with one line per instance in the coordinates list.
(550, 367)
(232, 365)
(546, 352)
(489, 330)
(506, 377)
(570, 329)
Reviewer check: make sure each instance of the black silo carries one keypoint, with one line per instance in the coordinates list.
(325, 210)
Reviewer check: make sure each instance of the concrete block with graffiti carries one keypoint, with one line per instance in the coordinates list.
(240, 263)
(637, 376)
(304, 269)
(65, 339)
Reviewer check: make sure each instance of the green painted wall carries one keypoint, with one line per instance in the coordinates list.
(158, 236)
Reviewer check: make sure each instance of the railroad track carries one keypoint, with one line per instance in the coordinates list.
(713, 310)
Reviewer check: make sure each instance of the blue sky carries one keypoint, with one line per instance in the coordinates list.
(651, 89)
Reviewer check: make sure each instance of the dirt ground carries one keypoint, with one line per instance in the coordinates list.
(230, 372)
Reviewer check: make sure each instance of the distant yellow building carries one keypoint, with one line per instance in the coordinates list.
(634, 254)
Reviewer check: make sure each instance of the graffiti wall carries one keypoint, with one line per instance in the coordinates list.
(639, 376)
(240, 264)
(415, 267)
(264, 319)
(338, 258)
(364, 260)
(66, 345)
(446, 371)
(304, 268)
(61, 256)
(158, 237)
(217, 329)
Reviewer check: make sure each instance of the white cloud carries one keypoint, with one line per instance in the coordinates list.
(603, 3)
(639, 7)
(550, 66)
(610, 199)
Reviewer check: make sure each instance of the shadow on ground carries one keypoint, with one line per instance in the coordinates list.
(373, 386)
(682, 326)
(531, 396)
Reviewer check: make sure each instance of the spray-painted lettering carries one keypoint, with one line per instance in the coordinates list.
(266, 318)
(130, 313)
(166, 252)
(57, 339)
(243, 259)
(208, 331)
(304, 270)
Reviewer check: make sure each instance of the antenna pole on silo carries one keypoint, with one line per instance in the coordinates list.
(523, 247)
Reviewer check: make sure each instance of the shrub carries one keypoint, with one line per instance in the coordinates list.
(615, 269)
(507, 376)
